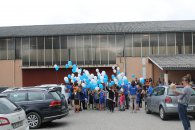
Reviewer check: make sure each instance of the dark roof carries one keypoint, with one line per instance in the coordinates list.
(99, 28)
(177, 62)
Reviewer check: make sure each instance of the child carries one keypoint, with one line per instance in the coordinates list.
(90, 93)
(138, 99)
(102, 99)
(96, 99)
(122, 102)
(76, 98)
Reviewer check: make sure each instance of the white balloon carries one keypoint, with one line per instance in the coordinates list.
(114, 71)
(83, 85)
(79, 71)
(119, 77)
(97, 88)
(97, 70)
(118, 68)
(122, 90)
(103, 72)
(95, 77)
(79, 82)
(122, 74)
(92, 75)
(55, 65)
(72, 81)
(113, 67)
(124, 78)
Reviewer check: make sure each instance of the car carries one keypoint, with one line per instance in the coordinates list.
(12, 117)
(61, 88)
(40, 105)
(3, 89)
(164, 102)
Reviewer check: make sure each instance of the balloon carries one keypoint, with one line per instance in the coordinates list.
(97, 70)
(56, 67)
(101, 86)
(70, 63)
(73, 70)
(103, 72)
(126, 81)
(83, 85)
(79, 82)
(113, 76)
(97, 88)
(67, 66)
(66, 80)
(69, 76)
(105, 80)
(122, 90)
(95, 77)
(118, 72)
(118, 68)
(142, 80)
(79, 71)
(113, 67)
(133, 75)
(114, 71)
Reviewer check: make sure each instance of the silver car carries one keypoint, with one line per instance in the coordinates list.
(164, 101)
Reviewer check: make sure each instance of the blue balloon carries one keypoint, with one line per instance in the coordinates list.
(101, 86)
(142, 80)
(74, 66)
(56, 67)
(133, 75)
(67, 81)
(74, 79)
(70, 63)
(82, 78)
(98, 81)
(112, 82)
(105, 80)
(113, 76)
(126, 81)
(69, 76)
(66, 66)
(73, 70)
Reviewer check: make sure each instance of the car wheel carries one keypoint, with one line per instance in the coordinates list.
(162, 113)
(147, 110)
(34, 120)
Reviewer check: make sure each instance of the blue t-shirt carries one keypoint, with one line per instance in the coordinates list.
(138, 97)
(150, 90)
(133, 90)
(125, 88)
(101, 95)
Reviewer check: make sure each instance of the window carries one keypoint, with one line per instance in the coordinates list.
(48, 50)
(137, 45)
(179, 43)
(33, 51)
(6, 106)
(80, 50)
(34, 96)
(145, 45)
(153, 44)
(188, 42)
(17, 97)
(3, 49)
(161, 91)
(171, 43)
(162, 44)
(25, 52)
(18, 48)
(40, 50)
(64, 50)
(56, 51)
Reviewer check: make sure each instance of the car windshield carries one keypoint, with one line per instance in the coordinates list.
(6, 106)
(171, 93)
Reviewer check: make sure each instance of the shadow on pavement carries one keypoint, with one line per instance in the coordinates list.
(54, 125)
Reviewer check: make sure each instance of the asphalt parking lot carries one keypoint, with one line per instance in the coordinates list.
(104, 120)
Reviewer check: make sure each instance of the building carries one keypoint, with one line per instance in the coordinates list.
(28, 53)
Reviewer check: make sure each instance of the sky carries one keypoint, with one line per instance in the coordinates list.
(46, 12)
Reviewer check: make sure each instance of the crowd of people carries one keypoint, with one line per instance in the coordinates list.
(129, 96)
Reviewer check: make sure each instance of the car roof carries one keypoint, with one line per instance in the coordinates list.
(50, 85)
(26, 89)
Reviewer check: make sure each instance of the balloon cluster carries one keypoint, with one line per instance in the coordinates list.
(97, 81)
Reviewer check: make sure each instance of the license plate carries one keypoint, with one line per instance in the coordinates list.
(190, 108)
(17, 124)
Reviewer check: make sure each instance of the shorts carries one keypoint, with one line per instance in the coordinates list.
(76, 102)
(97, 100)
(102, 101)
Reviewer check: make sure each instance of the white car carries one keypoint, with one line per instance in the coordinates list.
(61, 87)
(12, 117)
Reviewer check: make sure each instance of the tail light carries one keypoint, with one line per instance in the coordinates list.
(55, 103)
(4, 121)
(168, 100)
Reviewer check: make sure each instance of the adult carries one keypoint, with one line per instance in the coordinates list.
(110, 98)
(183, 101)
(150, 89)
(126, 93)
(133, 94)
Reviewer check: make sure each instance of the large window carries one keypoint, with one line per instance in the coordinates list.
(56, 50)
(33, 51)
(72, 49)
(162, 44)
(137, 45)
(11, 49)
(112, 49)
(64, 50)
(88, 53)
(179, 43)
(154, 44)
(104, 49)
(25, 52)
(96, 49)
(120, 44)
(171, 43)
(145, 45)
(18, 48)
(41, 50)
(48, 50)
(3, 49)
(80, 50)
(128, 45)
(188, 42)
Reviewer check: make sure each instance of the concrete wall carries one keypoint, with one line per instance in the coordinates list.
(135, 65)
(10, 73)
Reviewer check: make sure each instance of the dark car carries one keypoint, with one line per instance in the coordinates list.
(40, 105)
(3, 89)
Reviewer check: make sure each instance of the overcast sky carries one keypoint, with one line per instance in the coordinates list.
(41, 12)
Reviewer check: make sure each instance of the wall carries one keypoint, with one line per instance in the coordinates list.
(134, 65)
(32, 77)
(10, 73)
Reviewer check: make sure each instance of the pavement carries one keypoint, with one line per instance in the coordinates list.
(118, 120)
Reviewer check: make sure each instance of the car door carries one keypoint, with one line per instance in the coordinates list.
(20, 98)
(152, 99)
(158, 98)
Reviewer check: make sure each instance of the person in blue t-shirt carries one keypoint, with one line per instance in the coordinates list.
(126, 93)
(102, 99)
(150, 89)
(133, 94)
